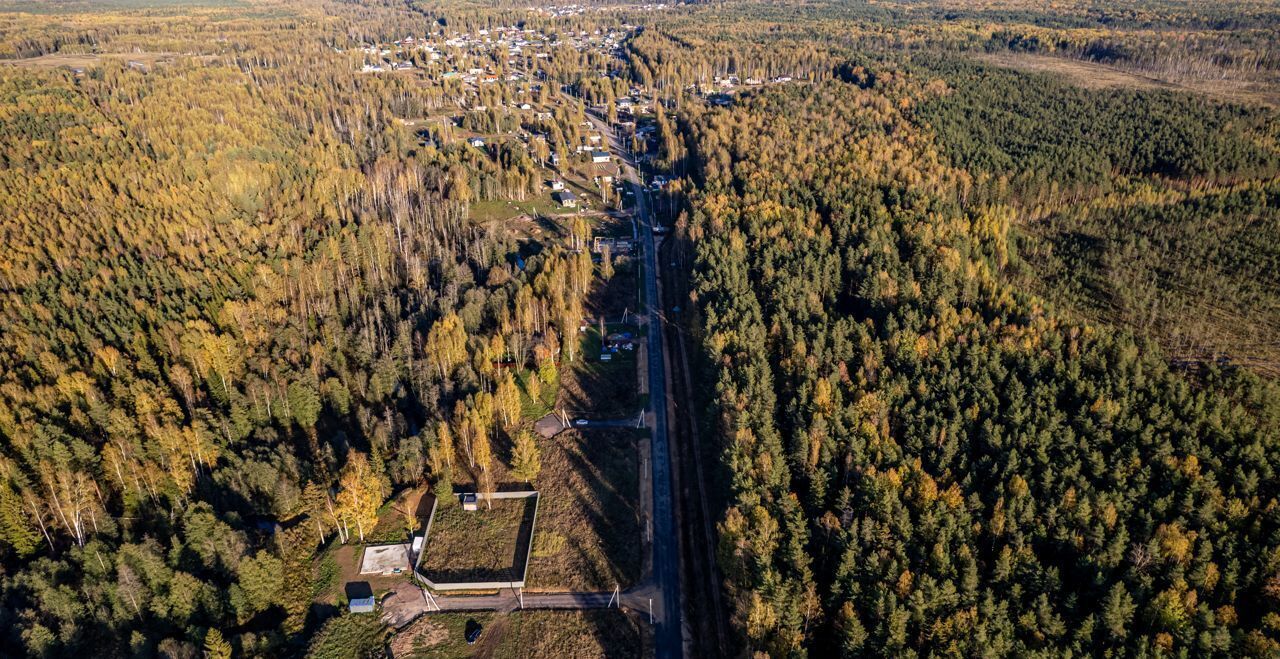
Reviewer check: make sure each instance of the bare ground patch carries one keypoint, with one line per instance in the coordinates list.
(1093, 75)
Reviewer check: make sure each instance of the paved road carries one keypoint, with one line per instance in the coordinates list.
(668, 641)
(634, 422)
(508, 600)
(406, 604)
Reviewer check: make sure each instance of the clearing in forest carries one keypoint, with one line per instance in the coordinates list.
(488, 544)
(1094, 75)
(589, 527)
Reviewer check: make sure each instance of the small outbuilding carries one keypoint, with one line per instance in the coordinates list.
(567, 199)
(470, 501)
(362, 605)
(548, 426)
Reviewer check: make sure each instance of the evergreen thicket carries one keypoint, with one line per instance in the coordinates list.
(924, 458)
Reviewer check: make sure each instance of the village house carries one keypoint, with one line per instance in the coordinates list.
(567, 199)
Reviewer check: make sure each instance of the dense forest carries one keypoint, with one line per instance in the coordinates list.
(987, 357)
(931, 443)
(924, 458)
(233, 298)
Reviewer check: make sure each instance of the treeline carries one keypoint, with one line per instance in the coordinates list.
(924, 459)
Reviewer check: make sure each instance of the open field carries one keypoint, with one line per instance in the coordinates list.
(617, 295)
(499, 210)
(1093, 75)
(338, 567)
(480, 545)
(598, 389)
(561, 634)
(87, 60)
(589, 532)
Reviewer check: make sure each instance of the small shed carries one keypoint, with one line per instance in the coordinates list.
(567, 199)
(470, 502)
(548, 426)
(362, 605)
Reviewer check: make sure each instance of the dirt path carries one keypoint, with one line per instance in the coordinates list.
(491, 637)
(704, 580)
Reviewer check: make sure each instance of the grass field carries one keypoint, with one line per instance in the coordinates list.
(593, 388)
(480, 545)
(1093, 75)
(617, 295)
(498, 210)
(589, 533)
(535, 408)
(559, 634)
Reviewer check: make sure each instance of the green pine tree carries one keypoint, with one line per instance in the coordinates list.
(15, 528)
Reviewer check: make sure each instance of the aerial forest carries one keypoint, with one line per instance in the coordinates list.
(983, 300)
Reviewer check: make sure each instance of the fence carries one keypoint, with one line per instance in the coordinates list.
(481, 585)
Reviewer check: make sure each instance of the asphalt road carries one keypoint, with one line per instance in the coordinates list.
(667, 607)
(668, 641)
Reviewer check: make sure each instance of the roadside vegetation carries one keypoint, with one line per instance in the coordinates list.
(584, 635)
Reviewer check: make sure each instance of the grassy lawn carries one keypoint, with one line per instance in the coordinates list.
(535, 408)
(480, 545)
(338, 566)
(563, 634)
(392, 525)
(617, 295)
(348, 635)
(497, 210)
(598, 389)
(588, 535)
